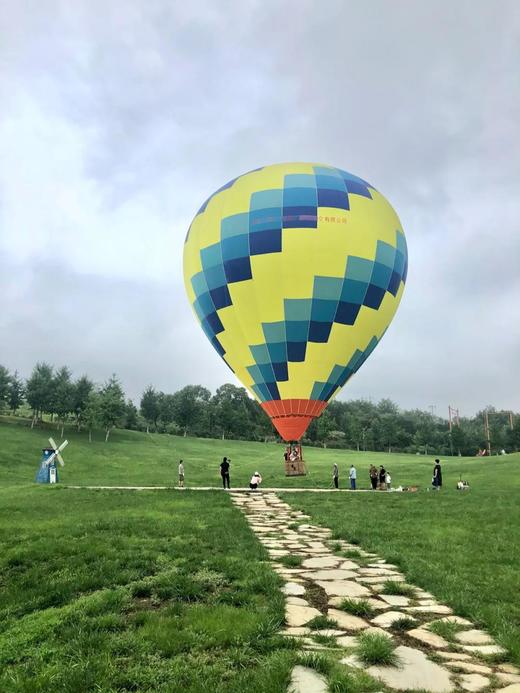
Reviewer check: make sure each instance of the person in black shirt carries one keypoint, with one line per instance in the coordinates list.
(437, 476)
(224, 471)
(382, 477)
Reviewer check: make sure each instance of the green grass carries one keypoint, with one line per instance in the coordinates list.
(357, 608)
(290, 560)
(446, 629)
(133, 458)
(376, 648)
(149, 591)
(321, 622)
(400, 588)
(461, 547)
(160, 591)
(403, 624)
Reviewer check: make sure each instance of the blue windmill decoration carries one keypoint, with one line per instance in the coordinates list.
(48, 471)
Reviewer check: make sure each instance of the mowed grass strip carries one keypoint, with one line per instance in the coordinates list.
(142, 591)
(460, 546)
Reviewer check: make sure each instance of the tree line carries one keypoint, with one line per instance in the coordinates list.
(231, 413)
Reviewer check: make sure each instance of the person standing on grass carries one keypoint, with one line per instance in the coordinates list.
(388, 481)
(335, 475)
(373, 476)
(352, 476)
(382, 478)
(437, 476)
(181, 474)
(224, 471)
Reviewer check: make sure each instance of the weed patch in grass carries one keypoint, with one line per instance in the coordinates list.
(376, 648)
(328, 640)
(359, 607)
(403, 624)
(321, 622)
(446, 629)
(400, 588)
(352, 553)
(290, 560)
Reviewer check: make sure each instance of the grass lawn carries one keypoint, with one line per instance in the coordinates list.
(148, 591)
(161, 591)
(461, 546)
(131, 458)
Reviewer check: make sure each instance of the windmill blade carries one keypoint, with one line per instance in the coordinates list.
(58, 451)
(53, 444)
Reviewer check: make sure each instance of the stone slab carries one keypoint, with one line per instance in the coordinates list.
(484, 649)
(298, 601)
(350, 641)
(395, 599)
(329, 574)
(469, 667)
(454, 655)
(428, 638)
(473, 682)
(513, 688)
(507, 678)
(347, 621)
(415, 671)
(474, 637)
(385, 620)
(293, 589)
(344, 588)
(439, 609)
(300, 615)
(374, 603)
(321, 562)
(305, 680)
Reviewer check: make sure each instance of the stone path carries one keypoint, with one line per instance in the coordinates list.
(438, 662)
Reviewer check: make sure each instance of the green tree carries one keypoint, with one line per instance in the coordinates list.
(5, 380)
(111, 405)
(230, 411)
(91, 415)
(324, 428)
(38, 390)
(63, 396)
(131, 416)
(190, 403)
(80, 397)
(150, 407)
(16, 392)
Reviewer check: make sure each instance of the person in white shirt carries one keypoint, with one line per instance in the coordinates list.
(352, 476)
(181, 474)
(388, 481)
(255, 482)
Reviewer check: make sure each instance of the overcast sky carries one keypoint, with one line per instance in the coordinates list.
(118, 119)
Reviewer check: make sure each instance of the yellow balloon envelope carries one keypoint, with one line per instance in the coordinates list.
(294, 272)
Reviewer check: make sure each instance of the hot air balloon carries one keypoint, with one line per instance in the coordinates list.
(294, 272)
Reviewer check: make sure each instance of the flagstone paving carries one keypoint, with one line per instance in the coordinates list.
(319, 586)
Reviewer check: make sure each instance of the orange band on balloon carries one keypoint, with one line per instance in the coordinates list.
(291, 417)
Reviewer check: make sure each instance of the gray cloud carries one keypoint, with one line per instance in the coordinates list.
(121, 118)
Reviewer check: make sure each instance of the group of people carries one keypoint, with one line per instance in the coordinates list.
(378, 479)
(255, 482)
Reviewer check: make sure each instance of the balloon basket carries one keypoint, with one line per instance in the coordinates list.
(296, 468)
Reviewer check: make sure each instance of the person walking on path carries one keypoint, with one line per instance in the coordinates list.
(352, 476)
(335, 475)
(255, 482)
(224, 471)
(388, 481)
(373, 476)
(437, 476)
(382, 478)
(181, 474)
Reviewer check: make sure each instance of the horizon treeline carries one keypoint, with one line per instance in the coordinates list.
(52, 394)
